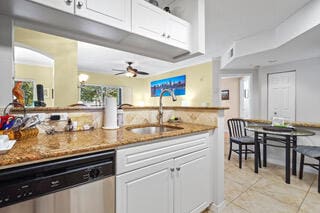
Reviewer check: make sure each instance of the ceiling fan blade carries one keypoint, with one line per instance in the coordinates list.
(118, 70)
(142, 73)
(120, 73)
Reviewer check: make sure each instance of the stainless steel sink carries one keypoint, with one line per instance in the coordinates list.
(153, 129)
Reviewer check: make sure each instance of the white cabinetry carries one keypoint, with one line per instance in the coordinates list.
(192, 182)
(146, 190)
(179, 183)
(178, 32)
(114, 13)
(64, 5)
(154, 23)
(147, 20)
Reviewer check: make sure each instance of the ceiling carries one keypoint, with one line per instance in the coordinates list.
(24, 55)
(102, 59)
(230, 20)
(302, 47)
(226, 21)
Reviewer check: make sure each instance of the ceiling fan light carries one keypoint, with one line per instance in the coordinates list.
(83, 78)
(129, 74)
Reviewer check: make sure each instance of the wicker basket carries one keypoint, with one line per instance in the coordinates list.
(25, 134)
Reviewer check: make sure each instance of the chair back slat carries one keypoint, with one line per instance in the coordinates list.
(237, 127)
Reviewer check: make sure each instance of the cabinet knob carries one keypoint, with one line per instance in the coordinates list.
(178, 169)
(168, 36)
(79, 4)
(68, 2)
(172, 169)
(163, 34)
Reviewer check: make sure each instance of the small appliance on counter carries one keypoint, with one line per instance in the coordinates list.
(40, 102)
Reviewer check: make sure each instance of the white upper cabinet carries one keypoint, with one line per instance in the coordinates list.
(147, 20)
(116, 13)
(178, 32)
(64, 5)
(152, 22)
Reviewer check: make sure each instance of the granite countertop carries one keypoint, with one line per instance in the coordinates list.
(295, 123)
(48, 147)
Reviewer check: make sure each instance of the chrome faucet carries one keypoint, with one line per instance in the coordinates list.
(174, 98)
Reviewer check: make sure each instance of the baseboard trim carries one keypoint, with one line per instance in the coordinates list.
(217, 208)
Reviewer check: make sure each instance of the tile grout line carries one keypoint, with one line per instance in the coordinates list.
(244, 192)
(232, 201)
(308, 192)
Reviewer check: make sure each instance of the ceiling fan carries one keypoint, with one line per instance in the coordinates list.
(130, 71)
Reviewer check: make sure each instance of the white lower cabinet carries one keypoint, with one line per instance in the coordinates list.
(178, 185)
(146, 190)
(191, 182)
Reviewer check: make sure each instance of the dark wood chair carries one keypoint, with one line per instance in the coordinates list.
(238, 135)
(312, 152)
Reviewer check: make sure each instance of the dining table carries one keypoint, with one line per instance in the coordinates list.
(284, 138)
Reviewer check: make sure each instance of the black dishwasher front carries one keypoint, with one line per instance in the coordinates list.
(31, 181)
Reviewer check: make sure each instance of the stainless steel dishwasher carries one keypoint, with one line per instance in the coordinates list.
(80, 184)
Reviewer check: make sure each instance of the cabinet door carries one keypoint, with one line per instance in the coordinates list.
(114, 13)
(192, 182)
(146, 190)
(64, 5)
(148, 20)
(178, 32)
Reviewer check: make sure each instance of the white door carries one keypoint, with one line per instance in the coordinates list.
(178, 32)
(192, 182)
(110, 12)
(64, 5)
(148, 20)
(281, 95)
(245, 96)
(146, 190)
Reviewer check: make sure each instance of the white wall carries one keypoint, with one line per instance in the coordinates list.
(307, 99)
(6, 60)
(307, 88)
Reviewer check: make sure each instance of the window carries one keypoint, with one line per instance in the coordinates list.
(29, 91)
(94, 94)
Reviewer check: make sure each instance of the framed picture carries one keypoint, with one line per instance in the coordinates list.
(46, 93)
(176, 84)
(225, 95)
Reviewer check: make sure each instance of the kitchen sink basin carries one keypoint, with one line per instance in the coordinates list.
(153, 129)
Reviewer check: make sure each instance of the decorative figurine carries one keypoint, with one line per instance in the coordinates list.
(18, 93)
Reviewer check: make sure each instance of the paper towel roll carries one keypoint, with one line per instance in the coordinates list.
(110, 113)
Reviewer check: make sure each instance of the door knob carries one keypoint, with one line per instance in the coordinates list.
(68, 2)
(79, 4)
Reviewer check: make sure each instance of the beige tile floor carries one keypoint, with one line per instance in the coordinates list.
(267, 192)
